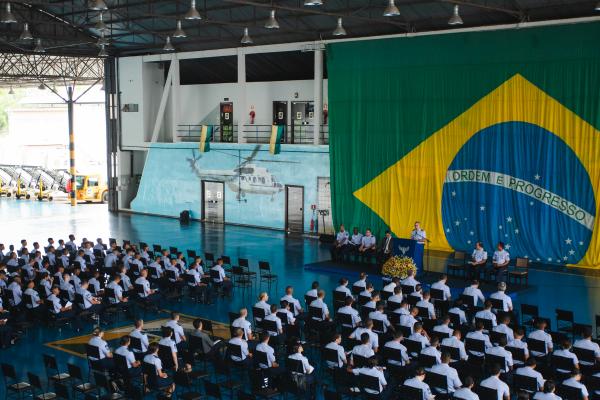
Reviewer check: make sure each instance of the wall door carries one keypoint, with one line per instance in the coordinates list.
(294, 209)
(213, 201)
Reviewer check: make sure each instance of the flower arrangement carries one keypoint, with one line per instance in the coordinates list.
(399, 266)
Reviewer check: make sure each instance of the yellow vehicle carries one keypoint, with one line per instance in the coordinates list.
(20, 191)
(91, 188)
(43, 194)
(4, 190)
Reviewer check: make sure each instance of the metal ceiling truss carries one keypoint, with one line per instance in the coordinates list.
(141, 26)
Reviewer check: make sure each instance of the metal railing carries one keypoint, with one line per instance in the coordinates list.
(259, 134)
(191, 133)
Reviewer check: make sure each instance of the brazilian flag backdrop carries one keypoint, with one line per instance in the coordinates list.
(490, 136)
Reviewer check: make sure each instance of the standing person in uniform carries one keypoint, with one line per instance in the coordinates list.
(341, 241)
(418, 234)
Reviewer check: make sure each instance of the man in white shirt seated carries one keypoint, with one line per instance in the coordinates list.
(167, 340)
(575, 381)
(479, 335)
(222, 280)
(419, 335)
(354, 243)
(500, 262)
(138, 333)
(341, 241)
(418, 382)
(371, 369)
(397, 296)
(392, 285)
(307, 369)
(295, 304)
(503, 327)
(178, 333)
(278, 337)
(432, 349)
(361, 282)
(410, 280)
(272, 365)
(263, 298)
(425, 303)
(518, 343)
(587, 344)
(323, 320)
(314, 290)
(450, 373)
(147, 293)
(474, 291)
(161, 379)
(494, 382)
(548, 392)
(478, 261)
(349, 310)
(105, 360)
(540, 334)
(55, 306)
(396, 343)
(335, 344)
(368, 329)
(565, 352)
(368, 244)
(486, 313)
(444, 327)
(243, 324)
(454, 341)
(343, 287)
(457, 309)
(500, 351)
(500, 295)
(364, 349)
(133, 365)
(529, 370)
(441, 285)
(245, 357)
(466, 392)
(285, 309)
(380, 315)
(409, 320)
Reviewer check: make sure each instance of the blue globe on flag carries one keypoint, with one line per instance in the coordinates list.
(520, 184)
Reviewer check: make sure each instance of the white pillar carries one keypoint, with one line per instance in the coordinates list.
(174, 98)
(318, 94)
(240, 109)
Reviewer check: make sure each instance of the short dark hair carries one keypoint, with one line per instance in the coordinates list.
(197, 323)
(364, 338)
(549, 386)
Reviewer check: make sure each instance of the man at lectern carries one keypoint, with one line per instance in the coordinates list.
(418, 234)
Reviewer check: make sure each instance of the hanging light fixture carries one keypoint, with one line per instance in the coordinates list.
(100, 25)
(597, 6)
(11, 91)
(193, 12)
(102, 52)
(97, 5)
(102, 40)
(38, 46)
(26, 35)
(339, 29)
(455, 19)
(179, 32)
(168, 45)
(272, 22)
(311, 3)
(8, 17)
(42, 86)
(391, 10)
(246, 39)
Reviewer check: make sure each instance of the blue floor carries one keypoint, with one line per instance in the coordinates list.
(37, 221)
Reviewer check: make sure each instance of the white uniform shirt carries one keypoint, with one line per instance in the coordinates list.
(274, 317)
(501, 257)
(506, 300)
(356, 240)
(417, 383)
(372, 372)
(178, 333)
(296, 304)
(101, 345)
(128, 354)
(546, 396)
(308, 369)
(154, 360)
(56, 305)
(454, 342)
(503, 328)
(17, 292)
(144, 282)
(136, 333)
(487, 314)
(466, 394)
(566, 354)
(502, 352)
(368, 241)
(443, 287)
(587, 344)
(454, 382)
(528, 371)
(474, 292)
(461, 314)
(544, 337)
(319, 303)
(479, 255)
(430, 309)
(340, 352)
(268, 350)
(363, 350)
(243, 324)
(373, 337)
(118, 292)
(501, 388)
(419, 234)
(479, 336)
(263, 305)
(342, 237)
(221, 272)
(519, 344)
(574, 383)
(167, 341)
(393, 344)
